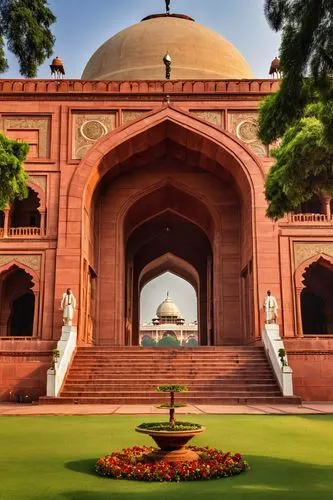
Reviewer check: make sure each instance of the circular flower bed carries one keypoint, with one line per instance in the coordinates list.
(131, 463)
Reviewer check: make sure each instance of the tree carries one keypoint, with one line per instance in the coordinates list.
(25, 26)
(306, 50)
(304, 164)
(168, 341)
(13, 179)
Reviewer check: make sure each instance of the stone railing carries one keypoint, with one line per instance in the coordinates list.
(142, 87)
(23, 232)
(1, 232)
(66, 347)
(308, 219)
(273, 342)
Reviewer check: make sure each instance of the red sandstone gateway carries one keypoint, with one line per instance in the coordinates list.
(115, 159)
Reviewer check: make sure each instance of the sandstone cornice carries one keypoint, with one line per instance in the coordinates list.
(150, 87)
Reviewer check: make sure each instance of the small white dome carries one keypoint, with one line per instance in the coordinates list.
(168, 308)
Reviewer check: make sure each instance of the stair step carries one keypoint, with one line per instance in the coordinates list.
(129, 375)
(198, 400)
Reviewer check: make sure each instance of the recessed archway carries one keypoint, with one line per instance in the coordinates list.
(168, 152)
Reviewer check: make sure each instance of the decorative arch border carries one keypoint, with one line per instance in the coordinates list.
(15, 263)
(160, 265)
(306, 264)
(299, 284)
(218, 143)
(40, 193)
(150, 189)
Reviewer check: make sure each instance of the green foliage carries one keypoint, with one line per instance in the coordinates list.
(166, 427)
(172, 388)
(168, 341)
(148, 342)
(282, 355)
(13, 179)
(306, 50)
(169, 405)
(25, 25)
(192, 342)
(304, 164)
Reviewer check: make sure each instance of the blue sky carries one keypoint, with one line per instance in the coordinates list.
(83, 25)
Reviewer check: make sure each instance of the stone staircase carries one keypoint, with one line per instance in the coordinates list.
(129, 375)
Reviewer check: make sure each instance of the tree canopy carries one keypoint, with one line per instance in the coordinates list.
(304, 164)
(300, 114)
(25, 28)
(13, 179)
(306, 51)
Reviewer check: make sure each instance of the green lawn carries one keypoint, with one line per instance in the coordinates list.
(53, 458)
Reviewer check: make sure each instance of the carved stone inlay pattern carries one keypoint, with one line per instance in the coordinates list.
(93, 130)
(88, 128)
(32, 261)
(303, 251)
(128, 115)
(245, 127)
(40, 123)
(39, 180)
(247, 131)
(214, 117)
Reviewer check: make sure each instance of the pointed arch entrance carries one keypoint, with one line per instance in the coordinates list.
(191, 175)
(316, 298)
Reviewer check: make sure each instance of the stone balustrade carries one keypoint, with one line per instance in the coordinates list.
(308, 219)
(21, 232)
(273, 343)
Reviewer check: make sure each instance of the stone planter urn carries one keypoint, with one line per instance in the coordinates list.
(171, 444)
(171, 437)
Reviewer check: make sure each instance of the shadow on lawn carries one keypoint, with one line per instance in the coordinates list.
(86, 466)
(269, 479)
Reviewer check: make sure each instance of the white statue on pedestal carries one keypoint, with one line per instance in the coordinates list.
(270, 308)
(68, 304)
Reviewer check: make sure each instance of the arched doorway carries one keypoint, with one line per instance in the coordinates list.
(317, 298)
(17, 303)
(169, 151)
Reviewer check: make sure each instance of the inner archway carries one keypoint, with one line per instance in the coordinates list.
(317, 299)
(168, 308)
(166, 234)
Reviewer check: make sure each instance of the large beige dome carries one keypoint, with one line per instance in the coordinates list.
(168, 308)
(137, 52)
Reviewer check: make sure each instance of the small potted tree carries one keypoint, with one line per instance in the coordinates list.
(171, 437)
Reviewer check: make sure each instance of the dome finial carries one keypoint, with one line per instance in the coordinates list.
(167, 6)
(167, 294)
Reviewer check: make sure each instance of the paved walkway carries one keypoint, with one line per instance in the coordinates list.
(7, 409)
